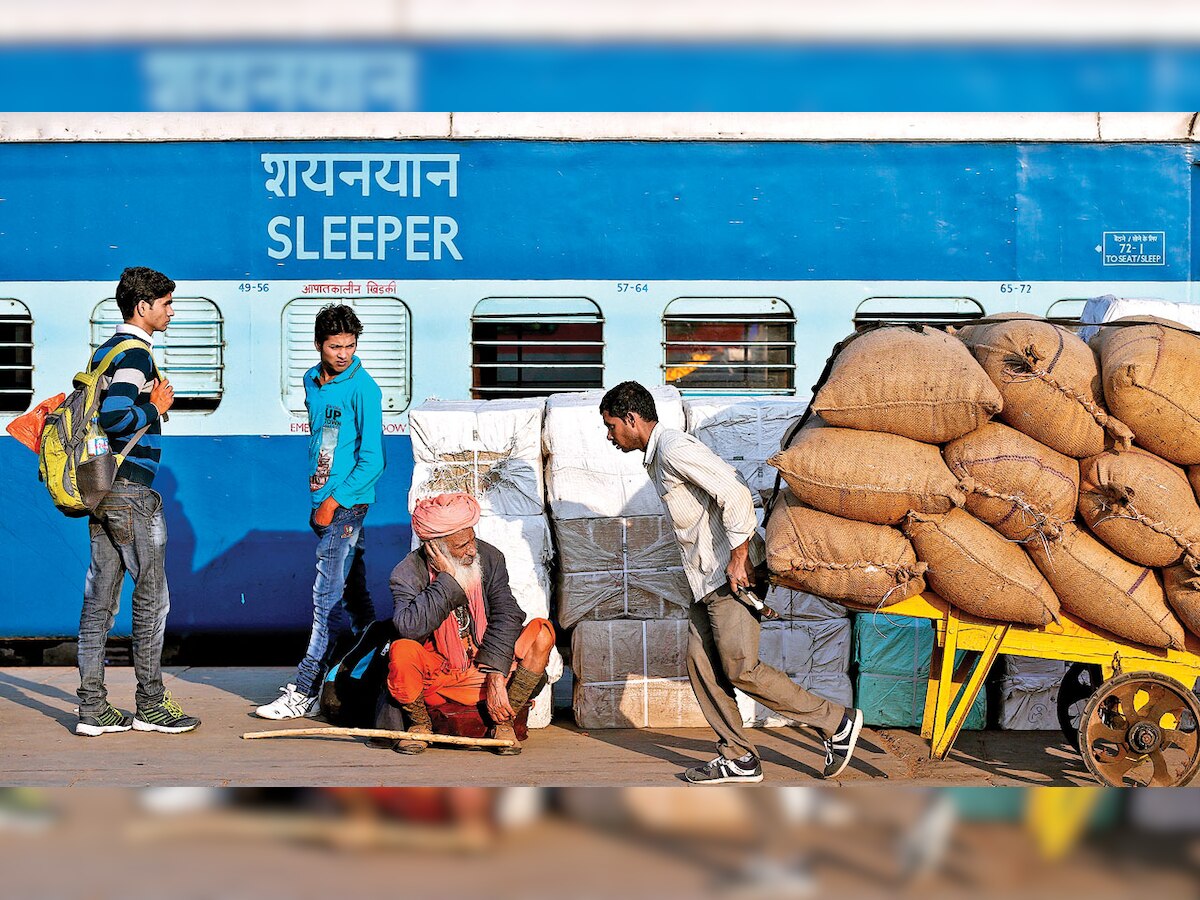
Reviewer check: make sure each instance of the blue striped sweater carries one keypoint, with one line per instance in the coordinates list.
(126, 408)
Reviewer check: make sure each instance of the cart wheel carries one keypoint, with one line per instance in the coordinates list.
(1078, 685)
(1140, 728)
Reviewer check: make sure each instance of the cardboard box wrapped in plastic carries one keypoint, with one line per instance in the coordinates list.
(623, 568)
(744, 431)
(633, 674)
(491, 449)
(586, 476)
(792, 604)
(815, 654)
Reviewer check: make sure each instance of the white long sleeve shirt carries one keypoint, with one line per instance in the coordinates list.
(710, 507)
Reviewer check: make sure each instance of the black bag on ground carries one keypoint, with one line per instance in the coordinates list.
(351, 689)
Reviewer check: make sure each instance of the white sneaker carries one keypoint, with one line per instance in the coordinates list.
(291, 705)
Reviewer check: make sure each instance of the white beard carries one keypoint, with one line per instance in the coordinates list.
(468, 577)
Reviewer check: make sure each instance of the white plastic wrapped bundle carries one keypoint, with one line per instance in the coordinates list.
(490, 449)
(528, 553)
(1029, 693)
(625, 568)
(744, 431)
(633, 674)
(814, 654)
(586, 476)
(1110, 307)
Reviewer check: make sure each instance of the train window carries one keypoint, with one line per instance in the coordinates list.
(16, 356)
(938, 312)
(384, 347)
(534, 346)
(743, 345)
(1067, 312)
(190, 353)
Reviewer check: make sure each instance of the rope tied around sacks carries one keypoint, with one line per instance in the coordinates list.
(903, 573)
(1022, 367)
(1120, 501)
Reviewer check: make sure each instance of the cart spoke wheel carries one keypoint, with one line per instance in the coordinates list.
(1140, 728)
(1078, 685)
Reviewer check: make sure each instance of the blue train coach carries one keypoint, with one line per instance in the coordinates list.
(496, 255)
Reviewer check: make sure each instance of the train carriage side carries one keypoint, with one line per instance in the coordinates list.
(510, 264)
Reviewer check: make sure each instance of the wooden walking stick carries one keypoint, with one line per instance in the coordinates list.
(457, 740)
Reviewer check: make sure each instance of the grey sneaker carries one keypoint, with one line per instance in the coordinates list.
(726, 771)
(107, 722)
(164, 716)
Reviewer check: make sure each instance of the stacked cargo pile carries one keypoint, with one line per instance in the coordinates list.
(1075, 499)
(620, 585)
(492, 449)
(811, 643)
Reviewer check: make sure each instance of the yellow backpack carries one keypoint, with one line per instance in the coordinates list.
(75, 461)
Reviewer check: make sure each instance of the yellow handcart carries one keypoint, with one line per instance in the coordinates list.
(1138, 723)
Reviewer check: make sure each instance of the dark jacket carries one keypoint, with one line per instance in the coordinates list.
(421, 606)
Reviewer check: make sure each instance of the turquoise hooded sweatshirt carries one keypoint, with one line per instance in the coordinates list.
(345, 445)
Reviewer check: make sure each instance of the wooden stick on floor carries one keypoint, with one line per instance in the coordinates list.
(455, 739)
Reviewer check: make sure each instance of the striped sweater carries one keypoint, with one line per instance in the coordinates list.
(125, 407)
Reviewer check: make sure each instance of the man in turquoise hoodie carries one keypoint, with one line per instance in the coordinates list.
(345, 459)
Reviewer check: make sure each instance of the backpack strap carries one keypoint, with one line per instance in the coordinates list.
(119, 348)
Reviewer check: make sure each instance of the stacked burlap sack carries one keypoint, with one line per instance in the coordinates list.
(492, 449)
(1012, 468)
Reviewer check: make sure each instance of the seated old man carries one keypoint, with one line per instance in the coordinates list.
(460, 636)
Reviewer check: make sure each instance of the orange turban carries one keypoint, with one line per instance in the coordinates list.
(436, 517)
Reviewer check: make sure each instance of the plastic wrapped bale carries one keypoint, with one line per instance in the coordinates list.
(633, 674)
(626, 568)
(1029, 693)
(744, 432)
(1021, 488)
(1142, 507)
(892, 655)
(1108, 308)
(796, 604)
(813, 654)
(867, 476)
(921, 384)
(586, 476)
(1149, 372)
(864, 566)
(491, 449)
(1107, 591)
(528, 553)
(1050, 382)
(1183, 595)
(976, 569)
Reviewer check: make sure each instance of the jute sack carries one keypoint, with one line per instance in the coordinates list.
(865, 566)
(922, 385)
(1150, 381)
(1194, 478)
(1183, 595)
(1023, 489)
(1141, 506)
(867, 476)
(980, 572)
(1049, 380)
(1107, 591)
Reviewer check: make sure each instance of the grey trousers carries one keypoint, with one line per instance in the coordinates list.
(723, 655)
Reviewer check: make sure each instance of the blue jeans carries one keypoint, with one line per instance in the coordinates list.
(128, 534)
(341, 581)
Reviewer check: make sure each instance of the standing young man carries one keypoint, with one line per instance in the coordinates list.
(712, 513)
(127, 529)
(345, 459)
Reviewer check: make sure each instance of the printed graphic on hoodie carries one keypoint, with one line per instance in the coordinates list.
(329, 441)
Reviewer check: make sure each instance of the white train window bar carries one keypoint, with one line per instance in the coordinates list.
(730, 345)
(385, 347)
(938, 312)
(1067, 312)
(16, 356)
(190, 353)
(534, 346)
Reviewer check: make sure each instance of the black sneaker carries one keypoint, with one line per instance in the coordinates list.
(108, 721)
(726, 771)
(840, 747)
(164, 716)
